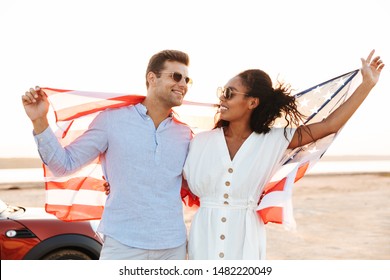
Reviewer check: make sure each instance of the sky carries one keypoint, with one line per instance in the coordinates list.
(105, 45)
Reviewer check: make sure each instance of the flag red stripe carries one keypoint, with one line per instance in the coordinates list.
(75, 184)
(75, 212)
(301, 171)
(275, 186)
(271, 214)
(51, 91)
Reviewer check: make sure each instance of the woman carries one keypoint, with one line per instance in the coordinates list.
(228, 167)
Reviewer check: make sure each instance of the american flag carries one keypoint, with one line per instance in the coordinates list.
(82, 196)
(316, 103)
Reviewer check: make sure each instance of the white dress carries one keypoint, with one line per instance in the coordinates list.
(226, 226)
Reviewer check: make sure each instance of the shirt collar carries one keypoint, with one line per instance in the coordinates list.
(142, 111)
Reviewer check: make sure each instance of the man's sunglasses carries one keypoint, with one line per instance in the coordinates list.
(177, 77)
(227, 93)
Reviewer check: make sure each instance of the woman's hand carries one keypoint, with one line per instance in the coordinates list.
(371, 69)
(106, 186)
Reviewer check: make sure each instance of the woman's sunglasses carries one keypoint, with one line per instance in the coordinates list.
(227, 93)
(177, 77)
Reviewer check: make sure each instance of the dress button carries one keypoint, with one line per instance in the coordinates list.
(226, 203)
(230, 170)
(222, 237)
(223, 219)
(221, 255)
(226, 195)
(227, 183)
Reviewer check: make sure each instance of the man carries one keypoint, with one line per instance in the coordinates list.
(142, 151)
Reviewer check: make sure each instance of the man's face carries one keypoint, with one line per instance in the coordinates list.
(172, 84)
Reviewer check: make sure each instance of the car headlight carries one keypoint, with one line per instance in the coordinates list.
(11, 233)
(20, 233)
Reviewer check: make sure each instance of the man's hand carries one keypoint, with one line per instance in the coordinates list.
(36, 105)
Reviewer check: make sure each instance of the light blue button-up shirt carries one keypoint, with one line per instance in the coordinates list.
(143, 166)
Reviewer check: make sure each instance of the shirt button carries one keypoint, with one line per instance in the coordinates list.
(230, 170)
(227, 183)
(222, 237)
(223, 219)
(226, 203)
(221, 255)
(226, 195)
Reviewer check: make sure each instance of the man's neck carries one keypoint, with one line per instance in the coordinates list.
(156, 110)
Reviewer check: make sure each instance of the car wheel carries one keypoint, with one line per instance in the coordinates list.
(67, 254)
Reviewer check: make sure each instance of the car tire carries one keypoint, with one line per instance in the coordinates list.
(67, 254)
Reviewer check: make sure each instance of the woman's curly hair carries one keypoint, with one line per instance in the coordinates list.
(274, 102)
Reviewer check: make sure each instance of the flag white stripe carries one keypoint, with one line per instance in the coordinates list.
(273, 199)
(92, 170)
(68, 99)
(283, 170)
(69, 197)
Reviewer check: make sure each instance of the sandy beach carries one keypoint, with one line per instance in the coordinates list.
(339, 217)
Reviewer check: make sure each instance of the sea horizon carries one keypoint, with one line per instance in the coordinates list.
(35, 162)
(24, 170)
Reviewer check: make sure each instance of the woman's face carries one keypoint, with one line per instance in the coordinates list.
(235, 105)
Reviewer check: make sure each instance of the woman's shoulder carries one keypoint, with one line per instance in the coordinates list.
(280, 133)
(206, 135)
